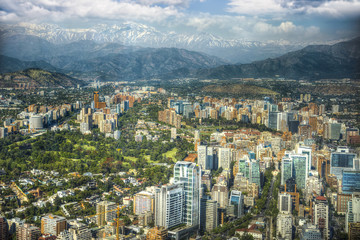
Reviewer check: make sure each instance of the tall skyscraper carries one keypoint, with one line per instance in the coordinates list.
(144, 202)
(237, 200)
(53, 224)
(225, 158)
(306, 150)
(102, 208)
(202, 156)
(351, 182)
(244, 167)
(169, 205)
(321, 216)
(209, 215)
(300, 169)
(255, 172)
(190, 175)
(286, 170)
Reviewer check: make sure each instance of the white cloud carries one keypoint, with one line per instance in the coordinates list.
(334, 8)
(60, 10)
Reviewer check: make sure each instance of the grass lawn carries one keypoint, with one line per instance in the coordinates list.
(171, 154)
(133, 159)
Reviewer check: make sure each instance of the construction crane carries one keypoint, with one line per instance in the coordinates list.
(117, 219)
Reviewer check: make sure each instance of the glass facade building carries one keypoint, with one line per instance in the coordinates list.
(190, 175)
(300, 169)
(286, 170)
(351, 182)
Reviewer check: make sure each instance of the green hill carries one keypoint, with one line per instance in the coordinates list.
(35, 77)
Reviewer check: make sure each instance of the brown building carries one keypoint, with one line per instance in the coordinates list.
(354, 231)
(169, 116)
(342, 202)
(157, 233)
(4, 229)
(53, 224)
(27, 232)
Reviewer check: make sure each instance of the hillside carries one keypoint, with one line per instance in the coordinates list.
(341, 60)
(9, 64)
(37, 78)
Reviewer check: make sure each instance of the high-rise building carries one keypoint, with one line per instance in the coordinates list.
(169, 205)
(225, 158)
(307, 151)
(284, 226)
(340, 161)
(273, 120)
(104, 209)
(190, 175)
(300, 169)
(53, 224)
(255, 172)
(244, 167)
(351, 182)
(144, 202)
(353, 212)
(202, 156)
(220, 194)
(286, 170)
(321, 216)
(27, 232)
(209, 215)
(237, 200)
(4, 228)
(80, 231)
(285, 203)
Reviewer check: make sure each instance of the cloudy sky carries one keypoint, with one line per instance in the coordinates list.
(261, 20)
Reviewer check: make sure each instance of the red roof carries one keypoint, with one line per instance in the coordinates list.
(321, 198)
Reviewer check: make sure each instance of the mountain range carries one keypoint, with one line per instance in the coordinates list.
(140, 35)
(97, 53)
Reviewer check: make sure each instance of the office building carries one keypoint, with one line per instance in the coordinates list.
(353, 212)
(307, 151)
(300, 169)
(169, 205)
(286, 170)
(321, 216)
(143, 202)
(351, 182)
(340, 161)
(284, 226)
(27, 232)
(106, 211)
(255, 172)
(53, 224)
(209, 215)
(237, 200)
(190, 175)
(285, 203)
